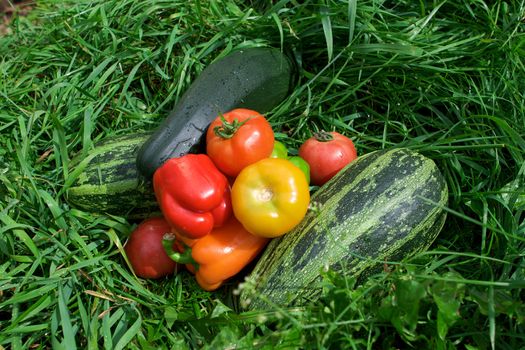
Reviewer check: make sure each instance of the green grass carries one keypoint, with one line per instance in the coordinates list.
(445, 78)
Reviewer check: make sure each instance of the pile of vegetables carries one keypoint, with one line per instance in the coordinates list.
(222, 191)
(85, 84)
(221, 208)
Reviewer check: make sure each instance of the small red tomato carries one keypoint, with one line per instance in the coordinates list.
(145, 251)
(327, 153)
(237, 139)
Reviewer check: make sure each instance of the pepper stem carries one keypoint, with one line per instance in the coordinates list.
(323, 136)
(180, 258)
(227, 129)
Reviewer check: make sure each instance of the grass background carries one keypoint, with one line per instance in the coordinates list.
(446, 78)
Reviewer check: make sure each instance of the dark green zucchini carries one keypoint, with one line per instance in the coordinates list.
(107, 180)
(255, 78)
(383, 207)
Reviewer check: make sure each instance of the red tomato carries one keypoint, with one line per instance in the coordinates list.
(145, 251)
(237, 139)
(327, 153)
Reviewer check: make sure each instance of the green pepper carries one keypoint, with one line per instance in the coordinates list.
(303, 165)
(279, 150)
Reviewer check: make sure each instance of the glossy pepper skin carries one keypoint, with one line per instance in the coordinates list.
(270, 197)
(193, 195)
(218, 256)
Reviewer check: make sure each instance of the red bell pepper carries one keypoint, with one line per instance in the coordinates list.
(193, 194)
(218, 256)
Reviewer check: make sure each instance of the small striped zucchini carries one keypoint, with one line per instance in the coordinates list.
(108, 182)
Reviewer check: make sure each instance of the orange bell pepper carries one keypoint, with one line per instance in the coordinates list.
(218, 256)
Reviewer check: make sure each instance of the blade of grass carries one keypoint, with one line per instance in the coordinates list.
(352, 11)
(65, 320)
(20, 233)
(130, 333)
(327, 29)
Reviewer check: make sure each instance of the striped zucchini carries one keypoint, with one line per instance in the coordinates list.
(107, 180)
(383, 207)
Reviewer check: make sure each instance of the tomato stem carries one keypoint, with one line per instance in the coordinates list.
(180, 258)
(227, 129)
(323, 136)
